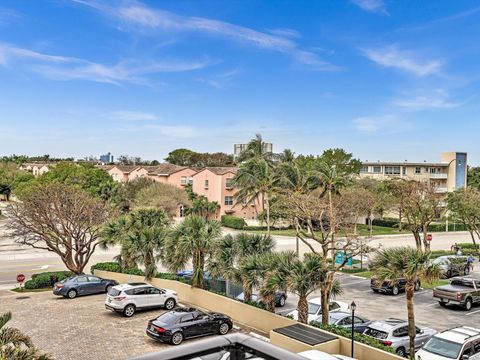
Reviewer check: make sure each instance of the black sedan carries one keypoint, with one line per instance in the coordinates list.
(185, 323)
(344, 320)
(391, 286)
(82, 285)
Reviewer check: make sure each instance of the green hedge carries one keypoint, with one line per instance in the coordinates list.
(386, 223)
(46, 279)
(442, 227)
(233, 222)
(367, 340)
(107, 266)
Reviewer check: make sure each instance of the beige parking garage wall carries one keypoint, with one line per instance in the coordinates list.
(255, 318)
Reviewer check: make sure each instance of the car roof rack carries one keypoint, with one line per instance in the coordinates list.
(137, 283)
(459, 328)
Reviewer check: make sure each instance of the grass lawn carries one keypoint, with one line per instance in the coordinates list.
(23, 290)
(435, 284)
(362, 231)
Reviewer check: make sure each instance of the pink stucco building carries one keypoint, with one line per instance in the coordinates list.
(179, 176)
(125, 173)
(216, 184)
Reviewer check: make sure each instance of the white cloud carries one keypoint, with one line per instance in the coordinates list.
(128, 115)
(137, 16)
(437, 100)
(371, 5)
(404, 60)
(7, 16)
(71, 68)
(388, 124)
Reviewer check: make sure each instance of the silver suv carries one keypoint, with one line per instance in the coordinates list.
(394, 333)
(459, 343)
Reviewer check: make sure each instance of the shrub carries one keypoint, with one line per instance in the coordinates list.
(46, 279)
(391, 223)
(233, 222)
(106, 266)
(134, 271)
(367, 340)
(442, 227)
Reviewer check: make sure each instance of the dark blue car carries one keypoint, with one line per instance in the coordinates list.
(79, 285)
(280, 298)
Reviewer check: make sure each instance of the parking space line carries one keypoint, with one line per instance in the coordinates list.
(471, 312)
(353, 283)
(431, 304)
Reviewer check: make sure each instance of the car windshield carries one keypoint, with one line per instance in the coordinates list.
(168, 318)
(443, 347)
(378, 334)
(313, 308)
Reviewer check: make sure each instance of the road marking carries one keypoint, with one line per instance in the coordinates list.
(358, 277)
(432, 304)
(471, 312)
(353, 283)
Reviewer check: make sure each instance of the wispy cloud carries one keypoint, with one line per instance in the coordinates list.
(134, 15)
(392, 57)
(221, 80)
(371, 5)
(439, 99)
(389, 124)
(71, 68)
(128, 115)
(7, 16)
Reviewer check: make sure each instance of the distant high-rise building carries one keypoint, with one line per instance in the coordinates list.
(107, 158)
(238, 148)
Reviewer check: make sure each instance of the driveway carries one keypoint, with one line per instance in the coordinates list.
(80, 328)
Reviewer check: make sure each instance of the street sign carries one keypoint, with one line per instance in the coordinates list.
(429, 237)
(20, 278)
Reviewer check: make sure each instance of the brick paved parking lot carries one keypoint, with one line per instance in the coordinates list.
(80, 328)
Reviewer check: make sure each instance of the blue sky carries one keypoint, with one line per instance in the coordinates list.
(386, 80)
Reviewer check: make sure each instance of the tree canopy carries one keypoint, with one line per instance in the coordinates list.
(186, 157)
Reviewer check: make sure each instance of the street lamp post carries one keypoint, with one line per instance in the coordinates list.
(353, 306)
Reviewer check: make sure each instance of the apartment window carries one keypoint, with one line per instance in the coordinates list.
(418, 170)
(183, 180)
(392, 170)
(433, 170)
(377, 169)
(229, 183)
(404, 170)
(206, 184)
(228, 200)
(364, 169)
(190, 180)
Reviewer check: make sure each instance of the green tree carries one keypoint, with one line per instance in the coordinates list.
(141, 235)
(129, 191)
(473, 177)
(200, 206)
(192, 239)
(161, 195)
(412, 265)
(12, 179)
(15, 345)
(181, 157)
(256, 149)
(230, 254)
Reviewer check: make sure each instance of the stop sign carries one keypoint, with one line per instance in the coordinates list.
(20, 278)
(429, 237)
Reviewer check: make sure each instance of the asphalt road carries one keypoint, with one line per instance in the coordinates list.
(381, 306)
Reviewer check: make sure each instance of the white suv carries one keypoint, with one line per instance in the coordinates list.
(128, 298)
(459, 343)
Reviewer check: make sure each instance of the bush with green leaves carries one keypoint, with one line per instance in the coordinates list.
(106, 266)
(340, 331)
(46, 279)
(233, 222)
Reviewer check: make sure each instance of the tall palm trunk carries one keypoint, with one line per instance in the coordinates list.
(409, 290)
(302, 308)
(267, 200)
(247, 292)
(269, 299)
(418, 240)
(198, 263)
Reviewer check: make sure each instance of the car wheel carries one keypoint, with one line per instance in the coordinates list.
(72, 294)
(375, 291)
(129, 310)
(170, 304)
(468, 304)
(223, 329)
(417, 286)
(466, 271)
(442, 303)
(107, 289)
(449, 274)
(177, 338)
(395, 290)
(401, 352)
(281, 302)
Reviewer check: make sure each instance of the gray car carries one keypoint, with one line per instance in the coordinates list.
(79, 285)
(394, 333)
(344, 319)
(452, 265)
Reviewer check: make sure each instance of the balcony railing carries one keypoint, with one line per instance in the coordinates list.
(439, 176)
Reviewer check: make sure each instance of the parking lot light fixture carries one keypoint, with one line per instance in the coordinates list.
(353, 306)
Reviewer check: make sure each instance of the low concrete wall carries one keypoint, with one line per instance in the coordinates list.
(252, 317)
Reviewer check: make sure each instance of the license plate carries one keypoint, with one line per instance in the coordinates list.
(152, 328)
(109, 300)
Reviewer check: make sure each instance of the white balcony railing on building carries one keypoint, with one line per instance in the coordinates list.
(441, 190)
(438, 176)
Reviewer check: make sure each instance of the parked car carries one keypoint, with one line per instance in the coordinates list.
(129, 298)
(79, 285)
(458, 343)
(463, 291)
(315, 309)
(280, 298)
(453, 265)
(394, 333)
(185, 323)
(344, 319)
(320, 355)
(393, 287)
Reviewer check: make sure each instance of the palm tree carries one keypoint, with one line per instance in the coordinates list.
(412, 265)
(255, 181)
(303, 278)
(202, 207)
(256, 149)
(141, 235)
(192, 239)
(14, 345)
(230, 257)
